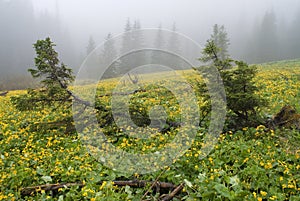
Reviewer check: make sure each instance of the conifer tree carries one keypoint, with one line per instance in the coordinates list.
(109, 53)
(91, 45)
(220, 39)
(127, 42)
(159, 43)
(55, 79)
(173, 46)
(243, 103)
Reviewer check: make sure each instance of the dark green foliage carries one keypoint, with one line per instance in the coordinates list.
(241, 96)
(48, 66)
(211, 54)
(55, 79)
(243, 104)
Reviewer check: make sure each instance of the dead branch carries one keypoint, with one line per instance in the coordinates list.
(3, 93)
(143, 183)
(170, 196)
(124, 93)
(134, 92)
(152, 186)
(134, 184)
(47, 187)
(134, 79)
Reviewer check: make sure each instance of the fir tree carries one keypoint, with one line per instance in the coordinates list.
(55, 78)
(157, 57)
(109, 53)
(91, 45)
(173, 46)
(125, 61)
(220, 39)
(243, 103)
(138, 57)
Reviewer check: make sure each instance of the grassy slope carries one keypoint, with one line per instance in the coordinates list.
(250, 164)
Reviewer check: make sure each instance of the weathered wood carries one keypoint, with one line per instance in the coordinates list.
(47, 187)
(143, 183)
(133, 183)
(170, 196)
(3, 93)
(123, 93)
(286, 117)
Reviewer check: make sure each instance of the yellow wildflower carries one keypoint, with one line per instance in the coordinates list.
(263, 193)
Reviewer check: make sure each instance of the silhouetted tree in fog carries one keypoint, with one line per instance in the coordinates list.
(91, 45)
(109, 53)
(220, 38)
(159, 43)
(92, 58)
(137, 41)
(263, 46)
(125, 63)
(173, 45)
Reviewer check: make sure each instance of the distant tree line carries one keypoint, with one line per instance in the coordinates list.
(133, 40)
(269, 39)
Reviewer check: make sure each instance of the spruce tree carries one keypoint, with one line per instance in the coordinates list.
(157, 57)
(243, 103)
(92, 61)
(91, 45)
(109, 53)
(173, 46)
(55, 79)
(138, 57)
(221, 40)
(127, 43)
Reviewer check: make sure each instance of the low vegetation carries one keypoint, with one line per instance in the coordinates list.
(249, 162)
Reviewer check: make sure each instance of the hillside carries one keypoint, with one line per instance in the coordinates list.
(248, 164)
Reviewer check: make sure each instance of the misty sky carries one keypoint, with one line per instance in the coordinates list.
(193, 17)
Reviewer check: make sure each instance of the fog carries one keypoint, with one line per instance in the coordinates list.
(194, 18)
(71, 23)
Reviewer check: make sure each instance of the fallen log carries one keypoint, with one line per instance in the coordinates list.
(123, 93)
(143, 183)
(47, 187)
(133, 183)
(3, 93)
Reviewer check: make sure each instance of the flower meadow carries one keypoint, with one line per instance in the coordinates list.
(254, 163)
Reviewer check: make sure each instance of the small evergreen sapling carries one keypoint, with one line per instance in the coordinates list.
(243, 103)
(55, 78)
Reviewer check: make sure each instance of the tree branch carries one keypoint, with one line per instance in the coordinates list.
(3, 93)
(133, 183)
(173, 193)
